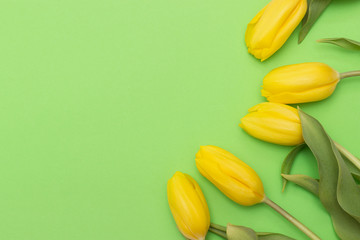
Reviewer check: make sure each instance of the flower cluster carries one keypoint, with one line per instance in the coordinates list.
(277, 123)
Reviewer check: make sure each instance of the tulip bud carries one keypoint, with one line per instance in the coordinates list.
(272, 26)
(274, 122)
(299, 83)
(241, 184)
(233, 177)
(188, 206)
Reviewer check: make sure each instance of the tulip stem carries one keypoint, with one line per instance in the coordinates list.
(218, 230)
(349, 74)
(218, 227)
(291, 219)
(354, 160)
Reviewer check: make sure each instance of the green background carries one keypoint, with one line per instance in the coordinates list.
(102, 101)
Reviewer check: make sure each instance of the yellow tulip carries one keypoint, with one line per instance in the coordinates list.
(299, 83)
(233, 177)
(272, 26)
(239, 182)
(274, 122)
(188, 206)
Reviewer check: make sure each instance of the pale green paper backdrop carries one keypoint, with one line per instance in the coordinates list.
(102, 101)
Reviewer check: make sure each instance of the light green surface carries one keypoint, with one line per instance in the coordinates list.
(102, 101)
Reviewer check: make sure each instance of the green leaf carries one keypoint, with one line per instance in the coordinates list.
(348, 193)
(330, 165)
(304, 181)
(342, 42)
(315, 8)
(234, 232)
(272, 236)
(355, 172)
(356, 176)
(289, 160)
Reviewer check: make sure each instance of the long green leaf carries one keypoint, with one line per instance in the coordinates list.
(304, 181)
(354, 170)
(345, 225)
(356, 176)
(348, 193)
(315, 8)
(234, 232)
(289, 160)
(342, 42)
(272, 236)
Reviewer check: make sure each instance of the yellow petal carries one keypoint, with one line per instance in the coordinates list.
(233, 177)
(250, 26)
(188, 206)
(280, 110)
(273, 122)
(273, 25)
(272, 129)
(299, 77)
(273, 18)
(311, 95)
(287, 27)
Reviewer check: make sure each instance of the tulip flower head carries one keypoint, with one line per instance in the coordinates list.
(300, 83)
(274, 122)
(272, 26)
(188, 206)
(240, 183)
(230, 175)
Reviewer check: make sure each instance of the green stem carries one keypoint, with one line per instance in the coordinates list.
(354, 160)
(291, 219)
(218, 232)
(218, 227)
(349, 74)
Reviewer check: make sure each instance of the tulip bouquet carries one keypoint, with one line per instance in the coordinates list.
(278, 123)
(281, 124)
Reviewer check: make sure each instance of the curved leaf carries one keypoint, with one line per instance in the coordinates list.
(272, 236)
(355, 172)
(304, 181)
(289, 160)
(342, 42)
(356, 176)
(346, 226)
(348, 193)
(234, 232)
(315, 8)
